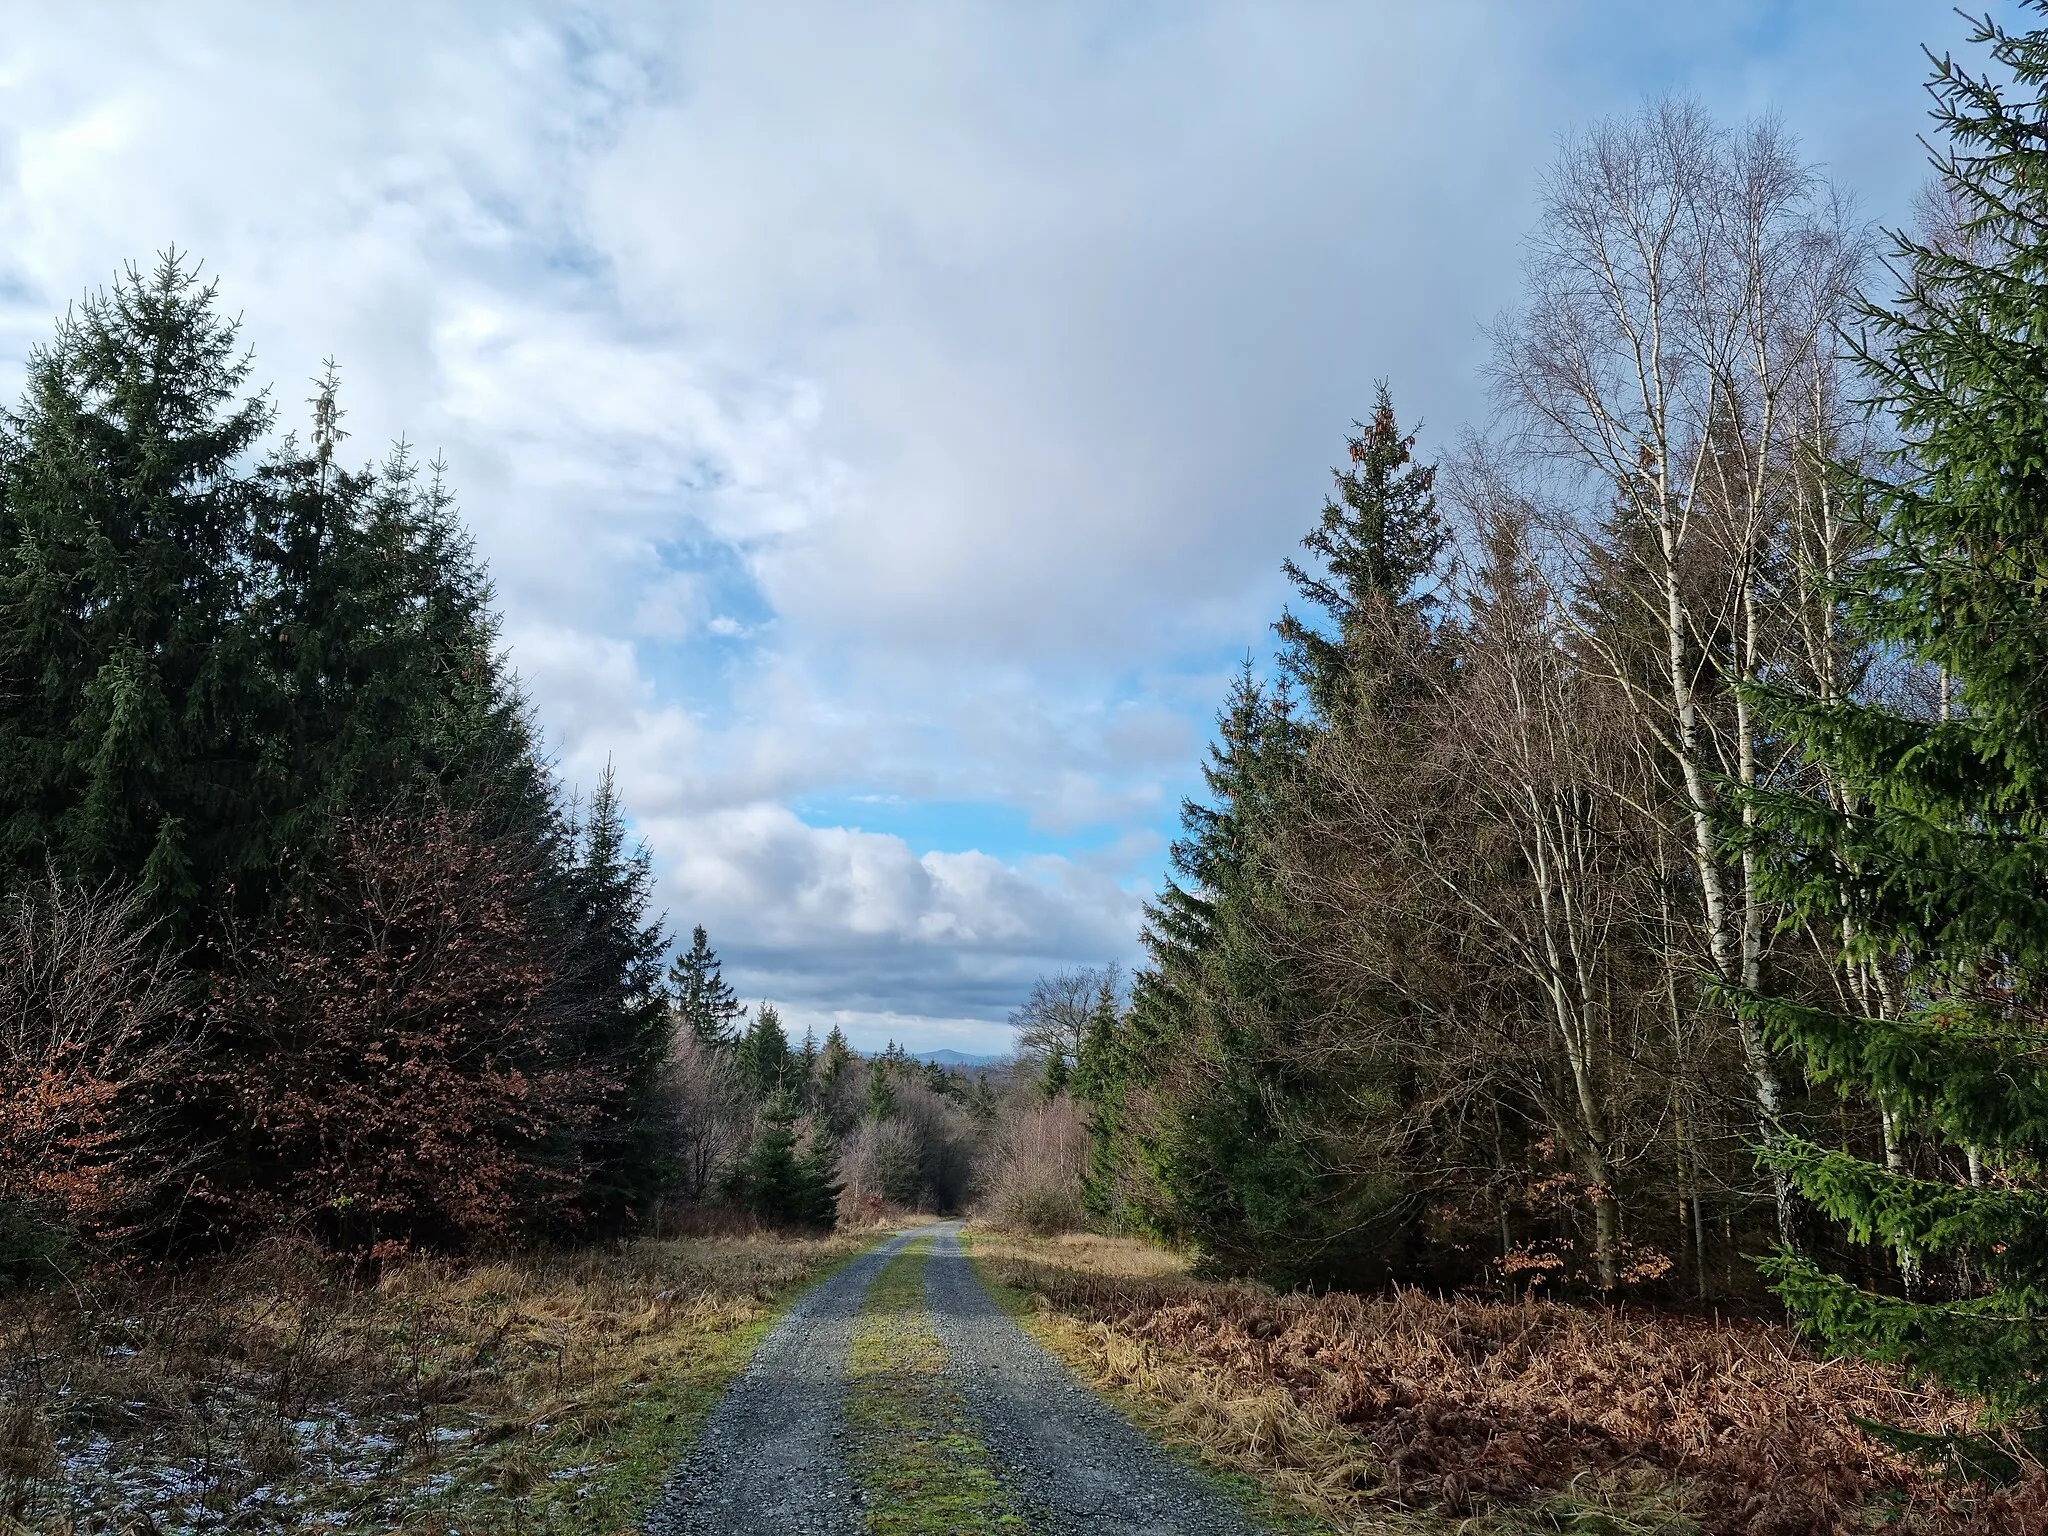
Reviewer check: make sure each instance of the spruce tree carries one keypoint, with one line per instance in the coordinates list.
(126, 509)
(376, 644)
(210, 653)
(1931, 859)
(707, 1006)
(881, 1095)
(817, 1181)
(781, 1183)
(1229, 1167)
(1243, 1153)
(763, 1054)
(766, 1180)
(1098, 1081)
(614, 962)
(1378, 539)
(834, 1061)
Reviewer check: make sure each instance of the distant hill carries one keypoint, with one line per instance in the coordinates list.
(952, 1058)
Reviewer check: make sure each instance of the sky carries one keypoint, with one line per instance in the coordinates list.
(884, 422)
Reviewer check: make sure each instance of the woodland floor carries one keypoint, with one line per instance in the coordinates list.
(925, 1385)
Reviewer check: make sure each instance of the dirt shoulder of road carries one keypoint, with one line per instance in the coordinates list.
(1417, 1414)
(544, 1393)
(1019, 1270)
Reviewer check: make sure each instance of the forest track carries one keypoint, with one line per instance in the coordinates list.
(778, 1457)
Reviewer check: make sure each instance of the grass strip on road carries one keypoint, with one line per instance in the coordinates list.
(924, 1470)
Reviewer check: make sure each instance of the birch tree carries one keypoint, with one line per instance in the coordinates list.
(1670, 370)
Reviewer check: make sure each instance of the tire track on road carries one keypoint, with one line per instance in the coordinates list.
(1071, 1462)
(771, 1461)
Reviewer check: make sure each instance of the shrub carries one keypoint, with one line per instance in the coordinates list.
(399, 1054)
(92, 1043)
(1033, 1179)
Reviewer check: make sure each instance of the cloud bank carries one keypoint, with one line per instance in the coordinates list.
(884, 423)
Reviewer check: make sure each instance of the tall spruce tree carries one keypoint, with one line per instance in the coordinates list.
(614, 962)
(126, 511)
(1932, 860)
(1244, 1156)
(707, 1006)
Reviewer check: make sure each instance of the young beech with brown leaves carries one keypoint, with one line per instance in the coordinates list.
(393, 1051)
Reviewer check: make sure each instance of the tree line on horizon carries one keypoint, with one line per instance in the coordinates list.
(1636, 859)
(815, 1132)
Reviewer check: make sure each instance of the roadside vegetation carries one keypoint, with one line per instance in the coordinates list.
(1414, 1411)
(542, 1393)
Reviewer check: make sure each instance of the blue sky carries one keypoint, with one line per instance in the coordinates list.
(885, 422)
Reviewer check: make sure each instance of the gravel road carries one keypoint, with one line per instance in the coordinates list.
(1070, 1462)
(771, 1459)
(769, 1462)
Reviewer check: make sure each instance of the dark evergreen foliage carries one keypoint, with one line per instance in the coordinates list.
(1380, 538)
(129, 744)
(763, 1054)
(706, 1004)
(218, 652)
(1237, 1146)
(617, 952)
(1932, 860)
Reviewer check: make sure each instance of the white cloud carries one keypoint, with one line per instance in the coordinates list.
(911, 400)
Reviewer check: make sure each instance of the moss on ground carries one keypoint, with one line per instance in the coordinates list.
(924, 1472)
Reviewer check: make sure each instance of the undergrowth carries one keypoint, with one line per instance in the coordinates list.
(923, 1471)
(547, 1393)
(1378, 1412)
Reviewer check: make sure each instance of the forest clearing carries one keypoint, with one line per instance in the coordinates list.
(1562, 1049)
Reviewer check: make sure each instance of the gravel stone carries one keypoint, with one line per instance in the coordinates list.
(1071, 1463)
(771, 1460)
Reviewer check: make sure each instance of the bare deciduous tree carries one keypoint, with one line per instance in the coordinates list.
(708, 1116)
(94, 1044)
(1054, 1018)
(1676, 358)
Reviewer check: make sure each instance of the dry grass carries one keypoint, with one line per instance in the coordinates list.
(540, 1393)
(1531, 1414)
